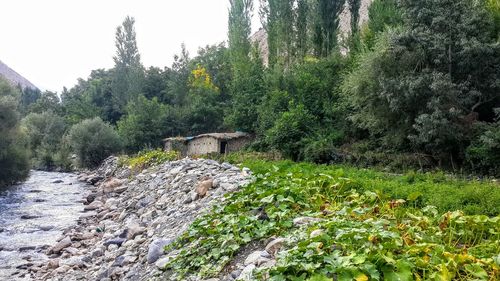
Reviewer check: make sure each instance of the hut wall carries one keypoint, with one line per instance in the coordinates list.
(203, 145)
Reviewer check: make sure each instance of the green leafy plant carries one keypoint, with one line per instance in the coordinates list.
(148, 158)
(366, 234)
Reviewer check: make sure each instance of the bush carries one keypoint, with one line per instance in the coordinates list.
(93, 140)
(290, 129)
(148, 158)
(14, 162)
(146, 123)
(45, 131)
(323, 148)
(483, 154)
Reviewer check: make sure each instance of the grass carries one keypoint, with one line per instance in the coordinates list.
(375, 226)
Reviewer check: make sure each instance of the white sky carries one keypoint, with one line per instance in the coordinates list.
(54, 42)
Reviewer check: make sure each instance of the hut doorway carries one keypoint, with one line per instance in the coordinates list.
(223, 146)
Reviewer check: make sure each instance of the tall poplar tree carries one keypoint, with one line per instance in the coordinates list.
(246, 89)
(128, 73)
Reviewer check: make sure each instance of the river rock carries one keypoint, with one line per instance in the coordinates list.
(161, 263)
(274, 246)
(66, 242)
(203, 187)
(305, 221)
(110, 185)
(130, 226)
(53, 264)
(156, 249)
(93, 206)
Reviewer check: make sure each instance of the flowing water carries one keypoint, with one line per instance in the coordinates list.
(33, 215)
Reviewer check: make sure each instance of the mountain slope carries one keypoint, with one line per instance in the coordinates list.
(14, 77)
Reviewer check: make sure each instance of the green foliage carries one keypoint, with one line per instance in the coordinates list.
(48, 101)
(128, 74)
(148, 158)
(290, 129)
(14, 162)
(484, 152)
(93, 140)
(366, 234)
(44, 131)
(413, 97)
(145, 124)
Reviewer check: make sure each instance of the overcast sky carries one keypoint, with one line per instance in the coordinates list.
(54, 42)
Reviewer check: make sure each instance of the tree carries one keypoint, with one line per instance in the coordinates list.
(145, 124)
(278, 18)
(93, 140)
(290, 130)
(326, 23)
(204, 110)
(246, 69)
(14, 163)
(423, 87)
(44, 133)
(48, 101)
(128, 72)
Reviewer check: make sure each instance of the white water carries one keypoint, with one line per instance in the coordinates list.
(32, 217)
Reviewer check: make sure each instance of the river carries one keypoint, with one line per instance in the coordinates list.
(33, 215)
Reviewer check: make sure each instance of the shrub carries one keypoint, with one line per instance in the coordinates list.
(93, 140)
(14, 163)
(45, 131)
(148, 158)
(484, 153)
(290, 129)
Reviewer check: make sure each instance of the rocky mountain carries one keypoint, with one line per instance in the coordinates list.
(14, 78)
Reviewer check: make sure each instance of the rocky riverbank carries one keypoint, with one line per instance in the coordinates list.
(130, 217)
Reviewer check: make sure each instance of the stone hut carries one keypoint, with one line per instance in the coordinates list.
(208, 143)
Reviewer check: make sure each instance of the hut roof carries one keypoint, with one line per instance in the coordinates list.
(221, 136)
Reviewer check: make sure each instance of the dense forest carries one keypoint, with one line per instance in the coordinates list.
(417, 86)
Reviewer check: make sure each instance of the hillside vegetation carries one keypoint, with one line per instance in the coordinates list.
(342, 223)
(415, 87)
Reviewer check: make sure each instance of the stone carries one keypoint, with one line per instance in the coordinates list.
(64, 243)
(246, 273)
(316, 233)
(73, 261)
(156, 249)
(58, 181)
(53, 264)
(134, 230)
(305, 221)
(161, 263)
(274, 246)
(116, 241)
(203, 187)
(252, 258)
(109, 185)
(71, 250)
(93, 206)
(97, 253)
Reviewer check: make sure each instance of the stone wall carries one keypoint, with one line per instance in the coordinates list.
(203, 145)
(237, 144)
